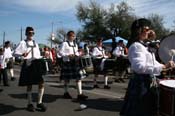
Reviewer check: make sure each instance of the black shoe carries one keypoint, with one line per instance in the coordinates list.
(122, 80)
(117, 80)
(96, 86)
(30, 108)
(41, 107)
(1, 90)
(6, 85)
(13, 79)
(82, 97)
(107, 87)
(67, 96)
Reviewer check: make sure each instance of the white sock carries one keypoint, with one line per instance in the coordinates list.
(29, 97)
(11, 72)
(40, 95)
(106, 80)
(79, 87)
(123, 74)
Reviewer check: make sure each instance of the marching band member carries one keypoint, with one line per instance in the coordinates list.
(139, 99)
(99, 57)
(122, 60)
(70, 68)
(29, 75)
(3, 68)
(8, 53)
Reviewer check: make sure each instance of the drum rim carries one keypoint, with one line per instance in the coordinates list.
(165, 85)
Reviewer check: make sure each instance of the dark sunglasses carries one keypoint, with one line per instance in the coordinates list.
(30, 33)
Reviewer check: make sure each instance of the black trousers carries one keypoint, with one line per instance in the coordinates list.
(3, 75)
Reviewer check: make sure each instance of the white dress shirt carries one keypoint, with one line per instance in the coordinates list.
(22, 48)
(142, 61)
(66, 50)
(119, 51)
(8, 52)
(99, 51)
(3, 61)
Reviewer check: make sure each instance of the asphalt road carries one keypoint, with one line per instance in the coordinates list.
(101, 102)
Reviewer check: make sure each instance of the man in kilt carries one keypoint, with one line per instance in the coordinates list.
(32, 69)
(70, 68)
(8, 54)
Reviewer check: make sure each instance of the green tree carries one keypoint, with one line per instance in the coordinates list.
(98, 21)
(158, 25)
(120, 18)
(93, 19)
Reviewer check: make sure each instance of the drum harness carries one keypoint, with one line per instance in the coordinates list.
(28, 62)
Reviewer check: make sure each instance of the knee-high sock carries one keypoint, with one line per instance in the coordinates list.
(123, 74)
(40, 95)
(106, 80)
(11, 72)
(29, 97)
(79, 87)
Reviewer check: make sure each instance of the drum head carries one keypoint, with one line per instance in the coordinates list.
(166, 46)
(168, 83)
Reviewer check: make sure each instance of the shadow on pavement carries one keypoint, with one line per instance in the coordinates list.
(47, 98)
(72, 86)
(6, 109)
(103, 104)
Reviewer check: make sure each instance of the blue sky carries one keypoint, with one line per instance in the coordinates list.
(40, 14)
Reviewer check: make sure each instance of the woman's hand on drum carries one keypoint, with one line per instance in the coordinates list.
(169, 65)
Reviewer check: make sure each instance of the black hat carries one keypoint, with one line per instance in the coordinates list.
(140, 23)
(29, 29)
(7, 42)
(99, 39)
(120, 41)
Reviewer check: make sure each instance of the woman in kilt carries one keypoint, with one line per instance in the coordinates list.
(32, 69)
(100, 64)
(140, 100)
(122, 62)
(70, 68)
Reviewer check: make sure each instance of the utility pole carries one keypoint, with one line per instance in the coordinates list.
(3, 38)
(52, 35)
(21, 33)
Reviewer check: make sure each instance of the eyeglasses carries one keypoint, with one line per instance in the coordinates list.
(145, 29)
(30, 33)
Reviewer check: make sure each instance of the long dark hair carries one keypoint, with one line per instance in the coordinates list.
(136, 29)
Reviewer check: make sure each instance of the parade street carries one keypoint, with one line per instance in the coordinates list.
(101, 102)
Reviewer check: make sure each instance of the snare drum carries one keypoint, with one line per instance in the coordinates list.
(86, 63)
(167, 97)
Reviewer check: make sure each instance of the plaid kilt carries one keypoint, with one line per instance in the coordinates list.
(122, 64)
(10, 63)
(96, 65)
(70, 70)
(139, 99)
(32, 74)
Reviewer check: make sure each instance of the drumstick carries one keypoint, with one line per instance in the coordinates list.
(28, 52)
